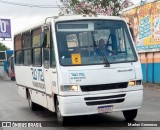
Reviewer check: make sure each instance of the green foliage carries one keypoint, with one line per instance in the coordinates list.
(3, 47)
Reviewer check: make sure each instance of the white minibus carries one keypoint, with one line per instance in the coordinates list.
(79, 65)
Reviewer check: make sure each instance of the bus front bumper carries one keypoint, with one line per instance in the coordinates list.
(76, 105)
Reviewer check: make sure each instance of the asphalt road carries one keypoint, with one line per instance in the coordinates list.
(15, 108)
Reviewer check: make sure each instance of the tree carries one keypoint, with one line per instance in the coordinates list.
(105, 7)
(3, 47)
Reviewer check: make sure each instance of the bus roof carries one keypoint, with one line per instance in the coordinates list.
(67, 18)
(80, 17)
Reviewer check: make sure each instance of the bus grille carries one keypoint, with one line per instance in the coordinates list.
(102, 100)
(104, 87)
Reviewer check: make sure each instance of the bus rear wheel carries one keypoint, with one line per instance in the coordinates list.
(130, 115)
(33, 106)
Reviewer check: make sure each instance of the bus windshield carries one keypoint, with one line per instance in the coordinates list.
(92, 42)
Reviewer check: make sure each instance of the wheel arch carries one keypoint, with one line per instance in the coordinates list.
(55, 99)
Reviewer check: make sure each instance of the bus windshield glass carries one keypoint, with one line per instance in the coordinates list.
(92, 42)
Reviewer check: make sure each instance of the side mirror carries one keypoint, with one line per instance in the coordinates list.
(43, 39)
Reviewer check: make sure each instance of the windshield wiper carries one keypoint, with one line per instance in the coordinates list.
(107, 64)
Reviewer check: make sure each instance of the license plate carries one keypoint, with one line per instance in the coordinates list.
(102, 109)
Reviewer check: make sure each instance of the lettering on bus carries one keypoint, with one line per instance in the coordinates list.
(78, 76)
(37, 74)
(38, 85)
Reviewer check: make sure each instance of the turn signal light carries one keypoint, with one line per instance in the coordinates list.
(138, 82)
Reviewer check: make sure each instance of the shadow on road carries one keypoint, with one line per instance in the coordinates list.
(98, 120)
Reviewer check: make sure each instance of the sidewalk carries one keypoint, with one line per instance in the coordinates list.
(5, 77)
(152, 85)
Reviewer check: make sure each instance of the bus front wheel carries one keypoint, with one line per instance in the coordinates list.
(32, 105)
(61, 119)
(130, 115)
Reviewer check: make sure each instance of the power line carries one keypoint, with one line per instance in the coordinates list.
(29, 5)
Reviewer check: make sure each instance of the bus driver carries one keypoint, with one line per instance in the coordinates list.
(103, 48)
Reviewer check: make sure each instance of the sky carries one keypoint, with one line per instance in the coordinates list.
(22, 16)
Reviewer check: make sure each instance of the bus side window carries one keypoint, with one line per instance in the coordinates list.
(27, 50)
(46, 50)
(18, 49)
(36, 48)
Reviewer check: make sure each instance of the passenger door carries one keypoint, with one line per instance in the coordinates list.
(47, 70)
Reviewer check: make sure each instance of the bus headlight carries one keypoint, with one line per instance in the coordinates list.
(134, 83)
(131, 83)
(70, 88)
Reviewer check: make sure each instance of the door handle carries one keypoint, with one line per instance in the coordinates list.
(54, 71)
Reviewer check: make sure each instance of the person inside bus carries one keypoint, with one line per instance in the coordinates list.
(103, 48)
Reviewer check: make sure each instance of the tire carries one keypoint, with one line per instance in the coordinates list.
(61, 119)
(33, 106)
(130, 115)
